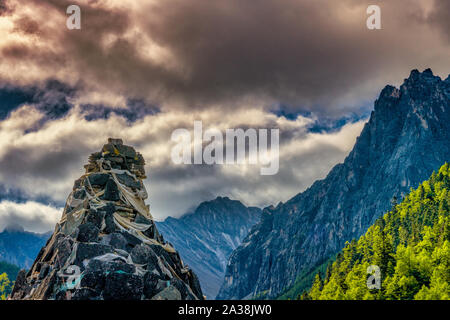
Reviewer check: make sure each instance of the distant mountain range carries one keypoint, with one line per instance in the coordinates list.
(206, 237)
(405, 140)
(20, 247)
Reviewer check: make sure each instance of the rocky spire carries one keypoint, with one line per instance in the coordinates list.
(106, 245)
(406, 138)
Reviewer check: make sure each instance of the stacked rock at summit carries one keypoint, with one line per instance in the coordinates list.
(106, 245)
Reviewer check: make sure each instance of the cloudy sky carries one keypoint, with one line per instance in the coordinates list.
(140, 69)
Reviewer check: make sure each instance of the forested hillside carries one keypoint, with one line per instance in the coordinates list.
(410, 244)
(8, 272)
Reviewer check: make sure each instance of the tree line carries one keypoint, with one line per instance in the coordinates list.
(410, 245)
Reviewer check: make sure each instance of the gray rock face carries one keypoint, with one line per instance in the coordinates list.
(206, 237)
(406, 138)
(106, 245)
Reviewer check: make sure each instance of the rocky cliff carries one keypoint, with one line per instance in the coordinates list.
(406, 138)
(206, 237)
(106, 245)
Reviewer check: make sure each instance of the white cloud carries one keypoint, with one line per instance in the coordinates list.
(44, 162)
(32, 216)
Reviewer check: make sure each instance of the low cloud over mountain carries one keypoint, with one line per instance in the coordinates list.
(43, 159)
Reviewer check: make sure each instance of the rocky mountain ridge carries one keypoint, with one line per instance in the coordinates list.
(206, 237)
(406, 138)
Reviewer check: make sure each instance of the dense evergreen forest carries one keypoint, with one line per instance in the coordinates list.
(409, 245)
(7, 272)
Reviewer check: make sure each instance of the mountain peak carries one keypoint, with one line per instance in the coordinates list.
(428, 71)
(206, 237)
(389, 92)
(405, 139)
(417, 74)
(219, 198)
(425, 76)
(219, 209)
(419, 87)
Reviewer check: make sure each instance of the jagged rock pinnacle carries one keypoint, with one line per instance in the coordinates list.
(106, 245)
(405, 139)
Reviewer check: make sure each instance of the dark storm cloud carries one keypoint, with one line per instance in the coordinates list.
(440, 17)
(135, 109)
(287, 50)
(51, 97)
(27, 26)
(4, 8)
(297, 52)
(11, 98)
(310, 55)
(48, 164)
